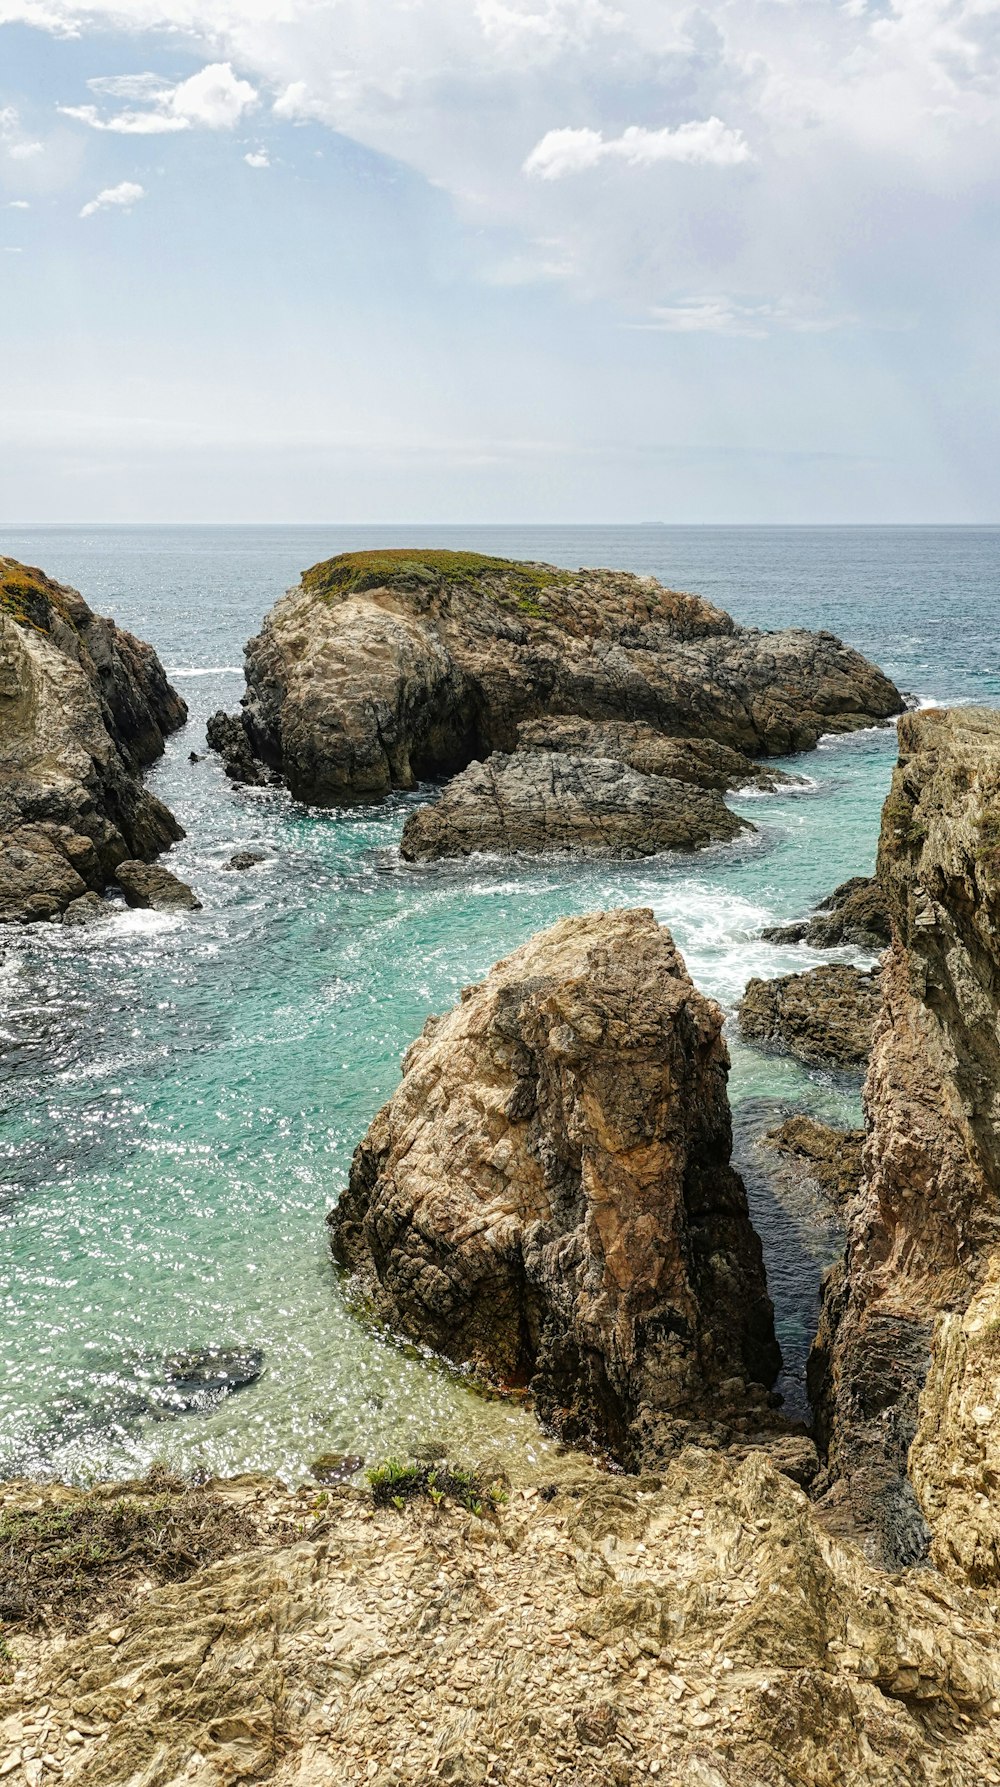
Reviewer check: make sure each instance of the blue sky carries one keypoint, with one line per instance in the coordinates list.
(459, 260)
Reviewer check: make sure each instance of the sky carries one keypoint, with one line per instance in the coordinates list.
(500, 260)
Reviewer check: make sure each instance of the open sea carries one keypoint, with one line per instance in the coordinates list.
(180, 1096)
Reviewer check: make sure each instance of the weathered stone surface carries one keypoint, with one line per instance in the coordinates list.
(855, 913)
(84, 707)
(825, 1014)
(698, 760)
(831, 1156)
(382, 669)
(245, 859)
(700, 1631)
(151, 885)
(546, 801)
(85, 909)
(925, 1226)
(225, 733)
(548, 1199)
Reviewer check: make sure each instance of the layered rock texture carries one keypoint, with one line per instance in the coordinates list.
(822, 1015)
(84, 708)
(548, 1199)
(385, 668)
(699, 1629)
(699, 760)
(917, 1292)
(832, 1157)
(548, 801)
(855, 913)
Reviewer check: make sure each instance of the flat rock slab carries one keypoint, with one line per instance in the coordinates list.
(549, 801)
(823, 1015)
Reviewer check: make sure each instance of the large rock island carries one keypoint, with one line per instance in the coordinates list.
(547, 1198)
(382, 669)
(84, 709)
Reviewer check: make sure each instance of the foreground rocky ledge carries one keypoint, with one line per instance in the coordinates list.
(385, 668)
(84, 708)
(547, 1198)
(699, 1629)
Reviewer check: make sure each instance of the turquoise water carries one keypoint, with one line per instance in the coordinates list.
(181, 1096)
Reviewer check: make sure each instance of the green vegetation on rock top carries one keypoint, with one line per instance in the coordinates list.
(27, 595)
(509, 580)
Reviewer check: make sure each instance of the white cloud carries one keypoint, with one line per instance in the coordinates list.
(257, 158)
(213, 99)
(121, 197)
(572, 151)
(18, 205)
(732, 316)
(25, 151)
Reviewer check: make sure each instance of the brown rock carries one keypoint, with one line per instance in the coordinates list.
(824, 1014)
(547, 1198)
(546, 801)
(382, 669)
(84, 707)
(831, 1156)
(855, 913)
(698, 760)
(151, 885)
(924, 1228)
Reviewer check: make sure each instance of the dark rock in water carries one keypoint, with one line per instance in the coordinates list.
(830, 1156)
(548, 801)
(855, 913)
(84, 708)
(151, 885)
(245, 859)
(202, 1377)
(227, 734)
(386, 668)
(548, 1199)
(651, 753)
(823, 1015)
(335, 1467)
(85, 910)
(195, 757)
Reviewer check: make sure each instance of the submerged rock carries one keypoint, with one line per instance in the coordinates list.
(823, 1015)
(546, 801)
(856, 912)
(84, 708)
(385, 668)
(912, 1303)
(829, 1155)
(245, 859)
(202, 1377)
(547, 1198)
(151, 885)
(699, 760)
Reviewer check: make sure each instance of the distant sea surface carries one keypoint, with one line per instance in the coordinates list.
(181, 1096)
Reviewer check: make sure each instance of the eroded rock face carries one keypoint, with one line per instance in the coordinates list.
(548, 1197)
(702, 761)
(152, 886)
(545, 801)
(703, 1631)
(924, 1229)
(84, 708)
(824, 1014)
(382, 669)
(855, 913)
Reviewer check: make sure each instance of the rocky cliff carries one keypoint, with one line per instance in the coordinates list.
(84, 708)
(548, 1198)
(385, 668)
(924, 1229)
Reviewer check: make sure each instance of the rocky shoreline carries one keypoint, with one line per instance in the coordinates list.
(719, 1597)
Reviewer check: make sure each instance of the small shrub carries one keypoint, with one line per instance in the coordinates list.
(393, 1484)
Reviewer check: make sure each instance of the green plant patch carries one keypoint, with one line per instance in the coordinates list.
(511, 582)
(989, 830)
(66, 1562)
(27, 595)
(394, 1483)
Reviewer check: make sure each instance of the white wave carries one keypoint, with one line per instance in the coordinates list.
(207, 670)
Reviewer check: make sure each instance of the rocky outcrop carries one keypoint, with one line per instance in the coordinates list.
(924, 1229)
(699, 760)
(699, 1630)
(830, 1156)
(823, 1015)
(152, 886)
(84, 708)
(548, 1200)
(545, 801)
(855, 913)
(385, 668)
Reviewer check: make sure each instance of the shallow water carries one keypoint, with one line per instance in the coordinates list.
(181, 1095)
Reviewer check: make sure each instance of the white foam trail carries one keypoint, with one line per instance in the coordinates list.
(208, 670)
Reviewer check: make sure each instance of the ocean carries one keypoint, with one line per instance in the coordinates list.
(181, 1096)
